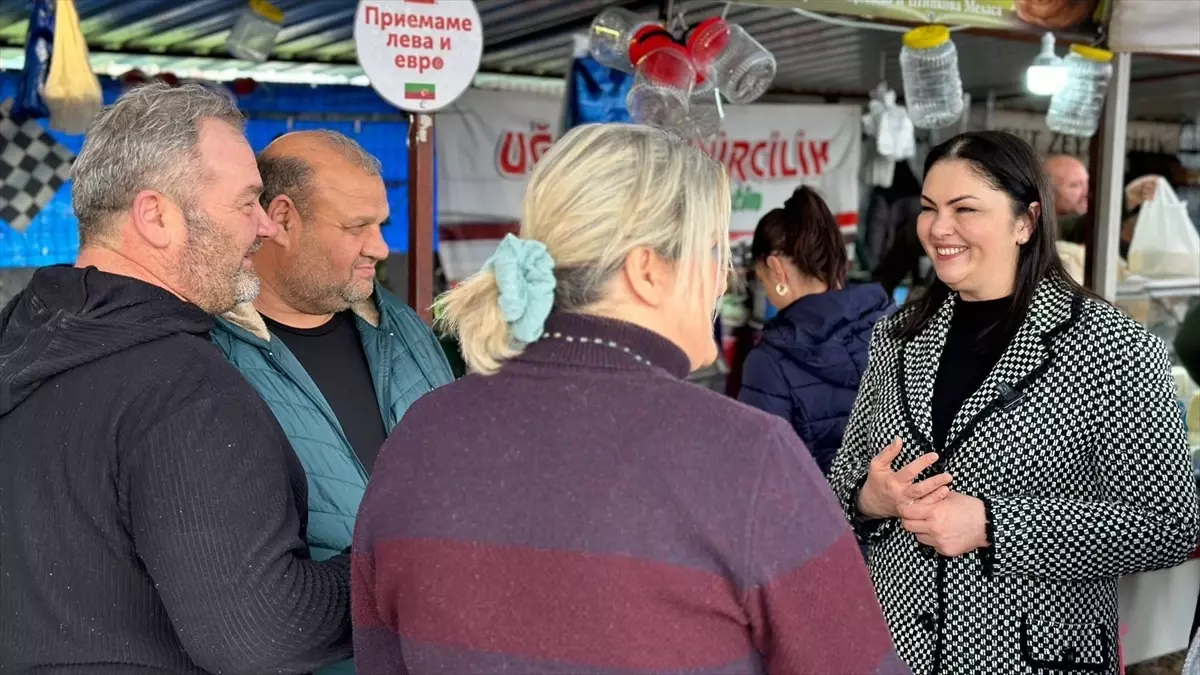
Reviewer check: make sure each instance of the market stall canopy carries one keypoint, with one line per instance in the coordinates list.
(1071, 17)
(817, 60)
(1155, 27)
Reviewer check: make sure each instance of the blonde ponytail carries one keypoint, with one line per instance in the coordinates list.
(504, 307)
(471, 311)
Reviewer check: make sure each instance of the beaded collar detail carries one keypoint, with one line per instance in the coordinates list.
(598, 341)
(590, 341)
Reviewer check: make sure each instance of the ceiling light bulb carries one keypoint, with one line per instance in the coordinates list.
(1047, 74)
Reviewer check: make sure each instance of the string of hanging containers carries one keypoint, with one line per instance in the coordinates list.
(678, 78)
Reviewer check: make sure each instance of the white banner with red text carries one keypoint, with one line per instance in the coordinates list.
(489, 141)
(487, 144)
(770, 149)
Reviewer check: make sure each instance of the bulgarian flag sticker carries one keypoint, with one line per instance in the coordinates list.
(419, 91)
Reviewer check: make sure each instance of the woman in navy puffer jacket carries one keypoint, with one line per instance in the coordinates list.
(813, 354)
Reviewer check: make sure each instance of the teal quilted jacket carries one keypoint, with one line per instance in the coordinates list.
(406, 362)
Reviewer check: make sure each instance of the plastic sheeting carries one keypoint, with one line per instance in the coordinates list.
(595, 93)
(1155, 27)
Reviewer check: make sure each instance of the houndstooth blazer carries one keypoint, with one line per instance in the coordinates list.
(1083, 467)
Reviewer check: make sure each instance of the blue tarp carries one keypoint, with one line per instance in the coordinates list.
(596, 93)
(53, 236)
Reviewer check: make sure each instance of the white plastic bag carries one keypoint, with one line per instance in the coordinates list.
(1165, 243)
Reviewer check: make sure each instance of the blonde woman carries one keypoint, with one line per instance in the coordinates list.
(574, 505)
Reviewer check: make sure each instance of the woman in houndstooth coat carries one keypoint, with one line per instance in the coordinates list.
(1016, 445)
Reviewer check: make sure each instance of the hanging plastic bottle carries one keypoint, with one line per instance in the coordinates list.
(663, 79)
(932, 85)
(703, 120)
(732, 60)
(610, 35)
(1075, 109)
(253, 36)
(706, 42)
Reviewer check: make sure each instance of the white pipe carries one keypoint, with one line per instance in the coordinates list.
(1106, 243)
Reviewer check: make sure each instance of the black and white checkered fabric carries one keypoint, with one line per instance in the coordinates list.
(33, 166)
(1086, 478)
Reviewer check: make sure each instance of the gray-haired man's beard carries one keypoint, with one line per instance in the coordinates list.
(247, 284)
(212, 271)
(246, 287)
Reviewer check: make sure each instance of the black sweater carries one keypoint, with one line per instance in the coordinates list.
(974, 345)
(151, 510)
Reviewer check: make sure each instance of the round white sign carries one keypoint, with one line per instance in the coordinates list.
(420, 55)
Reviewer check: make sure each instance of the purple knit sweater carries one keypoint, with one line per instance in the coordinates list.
(587, 511)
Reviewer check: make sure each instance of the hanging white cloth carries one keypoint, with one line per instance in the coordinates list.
(894, 134)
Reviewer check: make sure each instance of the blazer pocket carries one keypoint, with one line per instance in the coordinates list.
(1066, 647)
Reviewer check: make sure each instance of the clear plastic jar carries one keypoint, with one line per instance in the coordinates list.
(609, 37)
(253, 36)
(736, 63)
(662, 87)
(932, 85)
(703, 120)
(1075, 110)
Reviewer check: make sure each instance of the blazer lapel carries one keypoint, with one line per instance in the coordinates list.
(1025, 359)
(918, 372)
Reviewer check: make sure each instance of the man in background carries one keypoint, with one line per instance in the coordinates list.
(338, 358)
(1069, 177)
(152, 513)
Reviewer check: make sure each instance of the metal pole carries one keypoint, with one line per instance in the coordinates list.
(1111, 165)
(666, 11)
(420, 215)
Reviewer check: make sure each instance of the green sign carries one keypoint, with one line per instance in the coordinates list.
(745, 199)
(1075, 17)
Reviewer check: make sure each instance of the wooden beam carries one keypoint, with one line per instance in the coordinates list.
(420, 215)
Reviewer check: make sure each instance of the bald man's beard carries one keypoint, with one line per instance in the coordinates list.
(211, 269)
(310, 284)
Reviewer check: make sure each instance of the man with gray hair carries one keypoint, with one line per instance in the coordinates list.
(152, 513)
(337, 357)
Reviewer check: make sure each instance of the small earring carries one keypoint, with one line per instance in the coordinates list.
(781, 289)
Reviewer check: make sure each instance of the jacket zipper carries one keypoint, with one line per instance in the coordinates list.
(322, 405)
(384, 340)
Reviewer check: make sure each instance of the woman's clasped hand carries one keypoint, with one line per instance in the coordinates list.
(951, 523)
(954, 525)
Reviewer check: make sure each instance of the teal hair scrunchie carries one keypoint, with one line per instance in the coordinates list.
(525, 276)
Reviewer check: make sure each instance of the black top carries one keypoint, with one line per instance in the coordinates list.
(333, 355)
(152, 513)
(974, 345)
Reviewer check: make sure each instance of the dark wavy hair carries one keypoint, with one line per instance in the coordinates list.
(1006, 163)
(806, 232)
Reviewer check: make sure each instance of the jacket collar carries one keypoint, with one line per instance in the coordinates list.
(1054, 309)
(246, 317)
(815, 319)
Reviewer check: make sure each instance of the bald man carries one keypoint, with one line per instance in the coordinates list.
(1069, 177)
(337, 357)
